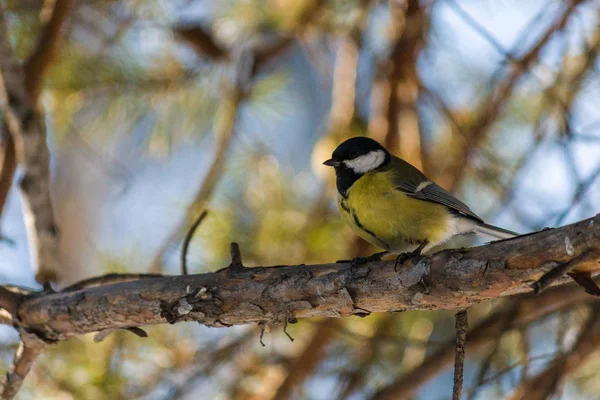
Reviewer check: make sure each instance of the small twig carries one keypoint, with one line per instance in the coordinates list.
(236, 258)
(462, 325)
(507, 320)
(523, 363)
(262, 334)
(188, 238)
(557, 273)
(285, 325)
(137, 331)
(202, 41)
(236, 266)
(236, 255)
(103, 334)
(108, 279)
(580, 192)
(30, 348)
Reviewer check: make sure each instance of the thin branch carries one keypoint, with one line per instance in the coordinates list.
(206, 364)
(43, 54)
(543, 385)
(356, 378)
(306, 362)
(202, 41)
(188, 238)
(507, 321)
(8, 167)
(224, 130)
(462, 325)
(29, 350)
(559, 271)
(580, 191)
(496, 99)
(108, 279)
(246, 65)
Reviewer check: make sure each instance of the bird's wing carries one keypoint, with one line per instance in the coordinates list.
(415, 184)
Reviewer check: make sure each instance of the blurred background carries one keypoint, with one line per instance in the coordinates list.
(157, 110)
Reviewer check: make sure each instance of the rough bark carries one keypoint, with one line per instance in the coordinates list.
(29, 350)
(462, 324)
(452, 279)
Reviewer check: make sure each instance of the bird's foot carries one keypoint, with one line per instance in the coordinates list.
(47, 288)
(404, 257)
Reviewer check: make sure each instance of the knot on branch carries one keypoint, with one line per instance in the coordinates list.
(236, 258)
(9, 301)
(199, 304)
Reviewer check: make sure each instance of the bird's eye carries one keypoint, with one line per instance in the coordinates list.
(354, 154)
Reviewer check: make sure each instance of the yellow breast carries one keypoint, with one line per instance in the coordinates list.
(388, 218)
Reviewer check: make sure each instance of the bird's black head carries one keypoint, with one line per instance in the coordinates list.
(354, 158)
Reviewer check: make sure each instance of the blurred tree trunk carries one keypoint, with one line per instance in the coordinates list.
(403, 117)
(33, 74)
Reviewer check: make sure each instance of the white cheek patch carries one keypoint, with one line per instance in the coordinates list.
(367, 162)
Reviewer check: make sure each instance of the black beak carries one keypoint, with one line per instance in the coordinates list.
(332, 163)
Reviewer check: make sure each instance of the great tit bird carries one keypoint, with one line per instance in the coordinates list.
(394, 206)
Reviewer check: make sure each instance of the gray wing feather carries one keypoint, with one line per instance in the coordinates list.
(412, 178)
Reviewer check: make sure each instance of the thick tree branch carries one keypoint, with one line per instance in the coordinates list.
(451, 279)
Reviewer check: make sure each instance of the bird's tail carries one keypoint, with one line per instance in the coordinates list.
(493, 232)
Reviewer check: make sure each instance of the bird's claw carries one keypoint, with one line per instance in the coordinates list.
(404, 257)
(47, 288)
